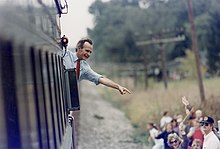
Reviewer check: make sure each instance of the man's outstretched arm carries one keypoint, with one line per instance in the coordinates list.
(110, 83)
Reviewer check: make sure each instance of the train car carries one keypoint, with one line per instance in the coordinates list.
(33, 104)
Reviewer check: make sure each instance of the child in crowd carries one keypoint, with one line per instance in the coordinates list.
(153, 130)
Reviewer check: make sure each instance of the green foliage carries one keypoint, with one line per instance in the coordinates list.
(214, 48)
(188, 66)
(120, 24)
(141, 136)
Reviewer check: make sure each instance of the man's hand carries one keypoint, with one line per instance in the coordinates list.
(110, 83)
(123, 90)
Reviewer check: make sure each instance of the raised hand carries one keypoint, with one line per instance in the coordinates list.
(187, 105)
(185, 101)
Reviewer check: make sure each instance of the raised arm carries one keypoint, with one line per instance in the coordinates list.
(187, 105)
(188, 108)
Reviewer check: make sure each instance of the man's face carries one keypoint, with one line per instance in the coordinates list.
(206, 127)
(85, 52)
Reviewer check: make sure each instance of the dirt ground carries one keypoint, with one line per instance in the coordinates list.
(101, 126)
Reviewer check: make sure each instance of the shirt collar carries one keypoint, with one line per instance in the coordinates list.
(209, 134)
(75, 57)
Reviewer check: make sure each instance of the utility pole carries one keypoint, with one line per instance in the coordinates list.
(161, 41)
(164, 64)
(145, 60)
(196, 52)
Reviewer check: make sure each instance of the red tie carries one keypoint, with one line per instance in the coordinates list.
(78, 69)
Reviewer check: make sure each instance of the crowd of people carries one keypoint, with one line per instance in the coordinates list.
(194, 131)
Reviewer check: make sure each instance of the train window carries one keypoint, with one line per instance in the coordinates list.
(72, 87)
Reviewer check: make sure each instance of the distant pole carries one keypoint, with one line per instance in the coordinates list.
(196, 52)
(163, 64)
(145, 69)
(162, 41)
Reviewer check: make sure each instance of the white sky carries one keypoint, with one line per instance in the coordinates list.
(78, 19)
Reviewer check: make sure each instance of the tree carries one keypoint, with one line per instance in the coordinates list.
(213, 48)
(120, 24)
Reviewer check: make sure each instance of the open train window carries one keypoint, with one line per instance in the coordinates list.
(72, 94)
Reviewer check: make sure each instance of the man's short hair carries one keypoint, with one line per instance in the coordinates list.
(82, 41)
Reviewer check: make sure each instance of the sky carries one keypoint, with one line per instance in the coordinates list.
(78, 19)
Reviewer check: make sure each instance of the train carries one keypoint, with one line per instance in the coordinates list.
(35, 93)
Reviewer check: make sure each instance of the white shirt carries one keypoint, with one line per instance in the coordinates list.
(153, 133)
(211, 141)
(164, 120)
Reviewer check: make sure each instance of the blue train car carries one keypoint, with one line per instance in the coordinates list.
(33, 107)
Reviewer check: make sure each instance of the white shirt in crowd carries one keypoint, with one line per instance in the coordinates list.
(158, 142)
(164, 120)
(211, 141)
